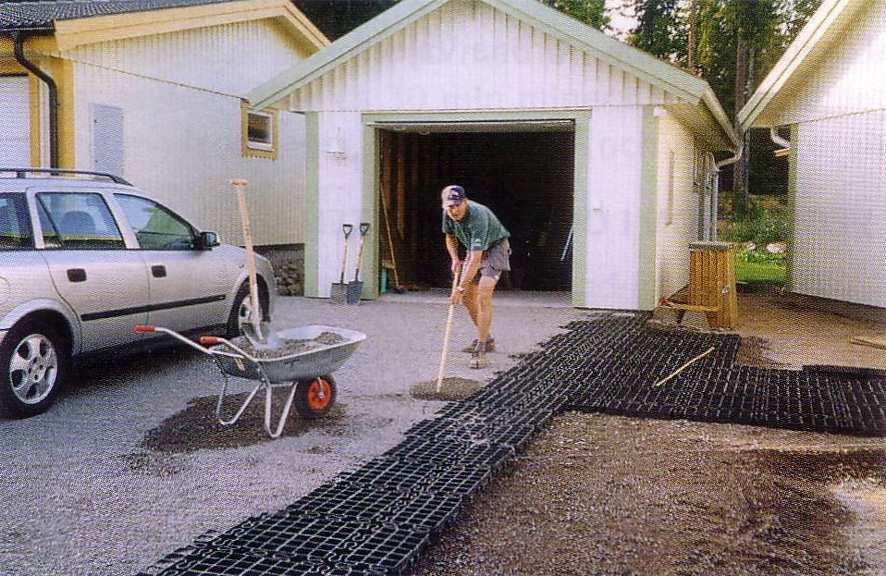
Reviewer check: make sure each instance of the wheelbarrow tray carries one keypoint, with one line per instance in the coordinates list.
(307, 364)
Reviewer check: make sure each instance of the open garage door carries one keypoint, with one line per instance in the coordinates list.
(523, 171)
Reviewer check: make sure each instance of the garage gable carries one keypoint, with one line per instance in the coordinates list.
(459, 54)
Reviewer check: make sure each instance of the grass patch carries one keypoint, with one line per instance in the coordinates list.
(759, 272)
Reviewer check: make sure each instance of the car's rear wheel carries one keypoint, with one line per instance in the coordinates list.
(33, 367)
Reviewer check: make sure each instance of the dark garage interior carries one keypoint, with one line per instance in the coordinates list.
(525, 177)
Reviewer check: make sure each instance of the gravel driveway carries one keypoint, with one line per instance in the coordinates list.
(96, 486)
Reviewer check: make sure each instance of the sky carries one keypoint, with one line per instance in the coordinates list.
(620, 24)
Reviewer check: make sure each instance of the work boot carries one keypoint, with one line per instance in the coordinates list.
(478, 356)
(490, 346)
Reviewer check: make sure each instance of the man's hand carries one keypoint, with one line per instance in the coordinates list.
(456, 266)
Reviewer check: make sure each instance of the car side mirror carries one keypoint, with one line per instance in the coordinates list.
(207, 240)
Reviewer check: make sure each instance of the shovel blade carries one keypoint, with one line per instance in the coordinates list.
(339, 293)
(355, 290)
(267, 340)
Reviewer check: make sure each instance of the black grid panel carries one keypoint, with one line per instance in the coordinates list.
(375, 521)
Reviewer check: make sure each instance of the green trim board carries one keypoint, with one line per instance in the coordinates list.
(636, 62)
(580, 211)
(385, 24)
(828, 14)
(646, 262)
(370, 200)
(792, 206)
(312, 204)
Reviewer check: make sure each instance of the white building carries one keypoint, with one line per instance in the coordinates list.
(552, 124)
(829, 89)
(155, 94)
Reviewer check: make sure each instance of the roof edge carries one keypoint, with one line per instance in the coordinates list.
(713, 105)
(93, 29)
(386, 23)
(796, 54)
(666, 76)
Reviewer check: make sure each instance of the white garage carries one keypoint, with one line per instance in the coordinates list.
(597, 156)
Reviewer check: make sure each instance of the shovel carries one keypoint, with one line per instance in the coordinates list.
(339, 292)
(355, 286)
(256, 331)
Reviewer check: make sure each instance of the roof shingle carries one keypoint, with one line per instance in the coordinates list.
(41, 15)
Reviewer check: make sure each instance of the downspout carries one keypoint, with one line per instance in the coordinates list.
(715, 192)
(18, 40)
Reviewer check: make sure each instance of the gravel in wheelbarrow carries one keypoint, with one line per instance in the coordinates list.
(289, 346)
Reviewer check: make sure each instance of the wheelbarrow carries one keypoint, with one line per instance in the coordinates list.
(307, 374)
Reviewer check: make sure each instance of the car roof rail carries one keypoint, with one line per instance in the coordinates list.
(24, 172)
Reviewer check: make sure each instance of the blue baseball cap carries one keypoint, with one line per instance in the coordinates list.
(453, 196)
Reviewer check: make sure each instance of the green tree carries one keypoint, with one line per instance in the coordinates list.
(660, 30)
(738, 42)
(591, 12)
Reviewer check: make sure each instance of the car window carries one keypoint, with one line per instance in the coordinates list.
(79, 221)
(155, 227)
(15, 224)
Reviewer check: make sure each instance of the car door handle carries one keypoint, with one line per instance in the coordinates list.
(76, 275)
(158, 271)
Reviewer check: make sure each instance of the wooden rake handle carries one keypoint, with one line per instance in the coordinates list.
(446, 333)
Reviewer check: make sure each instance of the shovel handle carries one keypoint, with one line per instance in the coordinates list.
(364, 230)
(239, 185)
(347, 229)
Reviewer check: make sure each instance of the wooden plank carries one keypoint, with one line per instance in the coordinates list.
(878, 342)
(690, 307)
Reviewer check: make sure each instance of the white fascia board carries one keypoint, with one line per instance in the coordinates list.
(797, 52)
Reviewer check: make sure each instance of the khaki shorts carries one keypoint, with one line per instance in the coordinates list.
(496, 260)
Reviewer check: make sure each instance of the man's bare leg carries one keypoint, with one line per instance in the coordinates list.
(469, 299)
(484, 307)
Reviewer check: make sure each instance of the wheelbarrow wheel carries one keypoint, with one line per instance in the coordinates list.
(314, 398)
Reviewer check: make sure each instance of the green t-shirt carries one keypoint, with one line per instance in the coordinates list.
(478, 230)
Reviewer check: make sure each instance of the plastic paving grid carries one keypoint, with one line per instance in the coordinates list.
(376, 520)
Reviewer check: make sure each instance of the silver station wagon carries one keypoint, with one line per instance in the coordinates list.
(84, 257)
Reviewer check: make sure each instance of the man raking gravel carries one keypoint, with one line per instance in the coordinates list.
(475, 227)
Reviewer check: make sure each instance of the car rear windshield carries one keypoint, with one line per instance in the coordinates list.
(15, 224)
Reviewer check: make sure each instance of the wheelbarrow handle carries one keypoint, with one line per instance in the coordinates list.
(143, 329)
(209, 340)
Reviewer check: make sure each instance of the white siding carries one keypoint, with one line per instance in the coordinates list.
(183, 145)
(847, 78)
(677, 221)
(840, 227)
(612, 253)
(231, 58)
(340, 190)
(467, 55)
(15, 132)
